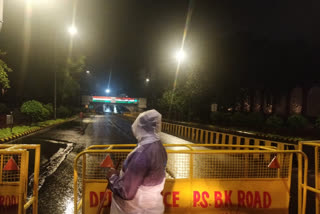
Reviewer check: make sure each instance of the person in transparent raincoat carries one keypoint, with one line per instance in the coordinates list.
(137, 189)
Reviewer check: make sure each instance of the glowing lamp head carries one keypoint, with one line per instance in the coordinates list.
(180, 55)
(72, 30)
(88, 72)
(147, 80)
(107, 91)
(39, 2)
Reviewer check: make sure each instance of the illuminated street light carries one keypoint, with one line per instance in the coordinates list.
(88, 72)
(38, 1)
(180, 55)
(107, 91)
(72, 30)
(147, 80)
(1, 13)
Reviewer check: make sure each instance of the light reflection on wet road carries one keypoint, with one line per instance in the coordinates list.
(56, 194)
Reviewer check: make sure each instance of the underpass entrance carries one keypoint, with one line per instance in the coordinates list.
(105, 104)
(200, 178)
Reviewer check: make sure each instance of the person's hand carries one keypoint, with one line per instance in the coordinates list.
(111, 172)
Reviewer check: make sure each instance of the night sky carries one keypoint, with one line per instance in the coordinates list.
(253, 42)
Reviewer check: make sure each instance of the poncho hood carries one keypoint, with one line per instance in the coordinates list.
(147, 127)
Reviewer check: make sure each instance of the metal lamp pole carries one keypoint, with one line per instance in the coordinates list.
(55, 76)
(72, 31)
(55, 93)
(1, 13)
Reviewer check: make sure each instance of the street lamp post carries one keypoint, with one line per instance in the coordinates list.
(55, 89)
(72, 31)
(108, 89)
(1, 13)
(180, 56)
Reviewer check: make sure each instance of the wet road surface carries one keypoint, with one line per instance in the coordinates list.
(59, 147)
(56, 195)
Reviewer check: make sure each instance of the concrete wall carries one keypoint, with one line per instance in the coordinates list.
(257, 100)
(297, 101)
(281, 104)
(313, 101)
(296, 98)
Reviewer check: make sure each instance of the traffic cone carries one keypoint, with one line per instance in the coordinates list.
(107, 162)
(274, 164)
(11, 165)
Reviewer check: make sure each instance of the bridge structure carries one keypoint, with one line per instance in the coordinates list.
(114, 104)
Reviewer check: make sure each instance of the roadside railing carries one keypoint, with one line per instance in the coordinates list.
(205, 136)
(198, 135)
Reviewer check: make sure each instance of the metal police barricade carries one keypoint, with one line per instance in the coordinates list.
(313, 151)
(200, 178)
(14, 165)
